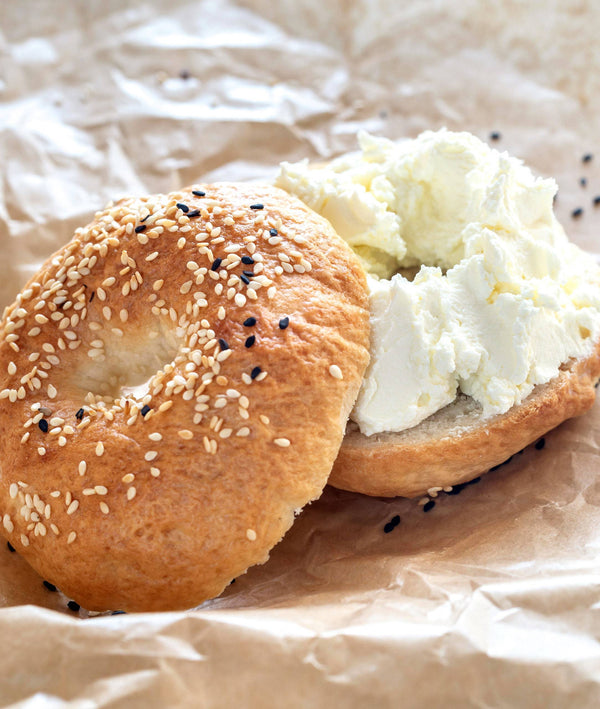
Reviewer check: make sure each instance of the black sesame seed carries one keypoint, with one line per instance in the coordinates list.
(198, 193)
(249, 322)
(139, 229)
(79, 415)
(428, 505)
(216, 263)
(283, 323)
(456, 489)
(245, 279)
(92, 296)
(540, 444)
(184, 208)
(392, 524)
(258, 205)
(247, 260)
(583, 181)
(576, 213)
(223, 344)
(250, 341)
(596, 200)
(50, 586)
(10, 547)
(495, 135)
(146, 217)
(250, 274)
(255, 372)
(184, 74)
(194, 213)
(73, 606)
(588, 157)
(43, 424)
(145, 410)
(273, 232)
(118, 613)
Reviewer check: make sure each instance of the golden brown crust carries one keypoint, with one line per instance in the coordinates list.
(159, 508)
(455, 445)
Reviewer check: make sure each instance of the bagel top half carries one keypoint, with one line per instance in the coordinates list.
(174, 385)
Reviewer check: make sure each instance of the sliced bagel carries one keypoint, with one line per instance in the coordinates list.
(456, 444)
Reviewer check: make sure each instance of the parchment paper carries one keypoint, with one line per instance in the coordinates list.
(491, 598)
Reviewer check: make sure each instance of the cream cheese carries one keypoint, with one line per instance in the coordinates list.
(502, 297)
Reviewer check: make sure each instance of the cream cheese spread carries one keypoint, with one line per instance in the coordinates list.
(501, 299)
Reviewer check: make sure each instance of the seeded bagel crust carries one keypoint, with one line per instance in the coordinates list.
(456, 443)
(248, 317)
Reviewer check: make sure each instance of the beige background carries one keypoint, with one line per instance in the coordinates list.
(490, 599)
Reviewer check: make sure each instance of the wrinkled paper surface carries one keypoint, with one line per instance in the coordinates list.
(489, 599)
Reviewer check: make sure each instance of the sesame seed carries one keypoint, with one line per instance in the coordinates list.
(248, 260)
(255, 372)
(577, 213)
(72, 507)
(185, 434)
(215, 264)
(282, 442)
(495, 135)
(273, 232)
(335, 372)
(250, 341)
(283, 323)
(104, 508)
(72, 605)
(139, 229)
(131, 493)
(155, 436)
(12, 368)
(258, 205)
(184, 208)
(129, 478)
(223, 344)
(155, 472)
(145, 410)
(249, 322)
(250, 535)
(24, 540)
(79, 415)
(150, 455)
(70, 539)
(428, 505)
(588, 157)
(99, 448)
(50, 586)
(198, 193)
(13, 490)
(43, 425)
(51, 391)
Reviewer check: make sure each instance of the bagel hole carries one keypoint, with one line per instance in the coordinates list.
(127, 365)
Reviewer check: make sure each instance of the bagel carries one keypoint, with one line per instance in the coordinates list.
(456, 444)
(485, 319)
(174, 386)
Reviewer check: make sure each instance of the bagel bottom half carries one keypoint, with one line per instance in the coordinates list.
(456, 444)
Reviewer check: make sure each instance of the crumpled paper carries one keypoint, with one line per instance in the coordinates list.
(488, 599)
